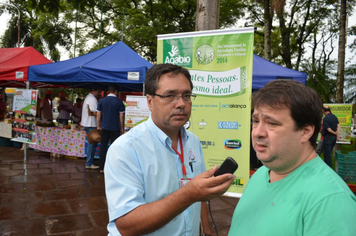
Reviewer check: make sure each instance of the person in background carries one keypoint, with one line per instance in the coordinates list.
(77, 111)
(38, 114)
(2, 108)
(64, 109)
(89, 123)
(150, 187)
(331, 133)
(295, 192)
(46, 106)
(110, 120)
(319, 146)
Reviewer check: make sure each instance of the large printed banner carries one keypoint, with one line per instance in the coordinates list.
(136, 111)
(24, 107)
(220, 63)
(343, 112)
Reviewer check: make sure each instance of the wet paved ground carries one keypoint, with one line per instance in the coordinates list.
(42, 195)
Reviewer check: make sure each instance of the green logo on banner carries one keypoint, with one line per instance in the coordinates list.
(178, 51)
(205, 54)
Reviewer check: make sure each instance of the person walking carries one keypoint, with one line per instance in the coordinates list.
(89, 123)
(319, 146)
(331, 133)
(110, 120)
(64, 109)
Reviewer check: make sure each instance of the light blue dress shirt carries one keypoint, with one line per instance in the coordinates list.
(141, 167)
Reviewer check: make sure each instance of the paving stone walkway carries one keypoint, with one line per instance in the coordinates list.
(42, 195)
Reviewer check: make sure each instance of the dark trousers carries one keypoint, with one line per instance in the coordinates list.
(62, 121)
(328, 145)
(106, 135)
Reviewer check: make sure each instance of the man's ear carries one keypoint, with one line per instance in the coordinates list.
(308, 131)
(149, 101)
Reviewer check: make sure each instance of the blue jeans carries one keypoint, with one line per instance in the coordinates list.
(91, 148)
(328, 145)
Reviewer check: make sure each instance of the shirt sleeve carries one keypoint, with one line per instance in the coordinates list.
(93, 105)
(122, 107)
(326, 124)
(123, 181)
(334, 215)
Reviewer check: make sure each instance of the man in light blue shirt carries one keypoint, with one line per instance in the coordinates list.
(155, 175)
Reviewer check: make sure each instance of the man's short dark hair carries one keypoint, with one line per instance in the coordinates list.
(325, 109)
(154, 74)
(78, 100)
(112, 88)
(94, 89)
(303, 102)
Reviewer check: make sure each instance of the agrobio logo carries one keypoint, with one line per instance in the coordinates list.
(231, 144)
(178, 51)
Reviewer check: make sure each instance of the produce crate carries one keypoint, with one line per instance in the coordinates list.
(346, 148)
(346, 165)
(17, 144)
(5, 142)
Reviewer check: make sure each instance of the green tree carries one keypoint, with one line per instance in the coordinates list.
(350, 84)
(341, 55)
(297, 22)
(43, 30)
(350, 72)
(143, 21)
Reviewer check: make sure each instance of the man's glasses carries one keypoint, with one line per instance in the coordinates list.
(174, 97)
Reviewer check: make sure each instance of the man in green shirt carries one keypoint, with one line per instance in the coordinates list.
(295, 192)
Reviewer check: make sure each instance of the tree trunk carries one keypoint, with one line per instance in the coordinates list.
(285, 34)
(207, 15)
(267, 29)
(341, 58)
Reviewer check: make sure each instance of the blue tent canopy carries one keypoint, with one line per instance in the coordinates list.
(115, 64)
(265, 71)
(119, 64)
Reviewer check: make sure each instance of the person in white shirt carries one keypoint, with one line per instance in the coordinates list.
(89, 123)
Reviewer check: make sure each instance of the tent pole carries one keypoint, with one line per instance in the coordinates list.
(25, 146)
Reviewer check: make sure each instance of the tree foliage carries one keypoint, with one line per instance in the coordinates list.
(303, 33)
(43, 30)
(139, 22)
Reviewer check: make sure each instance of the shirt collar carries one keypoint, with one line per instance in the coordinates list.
(162, 137)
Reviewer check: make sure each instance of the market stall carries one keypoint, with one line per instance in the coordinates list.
(60, 141)
(265, 71)
(114, 64)
(14, 63)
